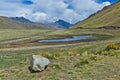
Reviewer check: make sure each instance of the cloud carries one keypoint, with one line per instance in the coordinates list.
(51, 10)
(86, 7)
(106, 3)
(37, 16)
(101, 1)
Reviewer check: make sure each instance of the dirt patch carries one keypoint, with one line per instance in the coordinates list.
(36, 43)
(109, 27)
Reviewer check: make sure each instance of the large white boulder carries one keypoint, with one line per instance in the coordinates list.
(39, 63)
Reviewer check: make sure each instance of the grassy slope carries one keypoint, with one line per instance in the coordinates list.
(109, 16)
(15, 61)
(6, 23)
(16, 66)
(10, 34)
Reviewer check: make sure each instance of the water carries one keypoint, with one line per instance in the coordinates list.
(74, 38)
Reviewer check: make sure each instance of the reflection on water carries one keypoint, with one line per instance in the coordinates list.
(74, 38)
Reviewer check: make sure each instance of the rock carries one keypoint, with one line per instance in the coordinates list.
(39, 63)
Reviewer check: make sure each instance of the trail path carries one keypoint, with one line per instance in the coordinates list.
(17, 40)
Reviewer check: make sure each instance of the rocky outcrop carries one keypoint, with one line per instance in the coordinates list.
(38, 63)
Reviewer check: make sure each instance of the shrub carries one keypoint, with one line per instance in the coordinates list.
(51, 55)
(85, 53)
(98, 52)
(47, 55)
(110, 52)
(57, 55)
(112, 46)
(81, 62)
(95, 58)
(71, 53)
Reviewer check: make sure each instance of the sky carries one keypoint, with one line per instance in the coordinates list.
(47, 11)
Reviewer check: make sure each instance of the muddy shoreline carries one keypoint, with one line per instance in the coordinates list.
(36, 43)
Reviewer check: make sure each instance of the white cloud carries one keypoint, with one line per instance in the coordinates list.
(106, 3)
(86, 7)
(38, 16)
(51, 10)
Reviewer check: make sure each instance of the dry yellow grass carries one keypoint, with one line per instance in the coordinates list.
(15, 61)
(108, 17)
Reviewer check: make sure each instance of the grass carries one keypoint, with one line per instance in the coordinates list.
(64, 67)
(10, 34)
(9, 24)
(72, 61)
(108, 17)
(6, 23)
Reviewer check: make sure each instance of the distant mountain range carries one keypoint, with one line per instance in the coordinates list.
(60, 24)
(107, 18)
(8, 23)
(63, 24)
(21, 19)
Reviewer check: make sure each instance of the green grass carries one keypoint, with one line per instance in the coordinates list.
(10, 34)
(107, 17)
(72, 61)
(6, 23)
(65, 67)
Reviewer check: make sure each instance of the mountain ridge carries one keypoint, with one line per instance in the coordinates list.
(108, 17)
(21, 19)
(60, 24)
(63, 24)
(7, 23)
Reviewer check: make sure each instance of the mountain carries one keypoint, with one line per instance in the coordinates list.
(7, 23)
(108, 17)
(60, 24)
(21, 19)
(63, 24)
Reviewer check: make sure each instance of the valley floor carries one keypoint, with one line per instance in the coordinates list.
(69, 61)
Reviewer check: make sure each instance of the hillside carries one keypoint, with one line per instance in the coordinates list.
(89, 60)
(108, 17)
(6, 23)
(21, 19)
(60, 24)
(63, 24)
